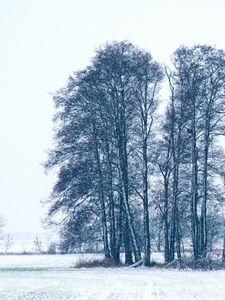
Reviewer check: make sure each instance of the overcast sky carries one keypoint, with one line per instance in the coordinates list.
(42, 42)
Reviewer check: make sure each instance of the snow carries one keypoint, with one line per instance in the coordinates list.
(44, 261)
(41, 277)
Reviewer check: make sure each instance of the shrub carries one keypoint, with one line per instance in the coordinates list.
(52, 248)
(96, 263)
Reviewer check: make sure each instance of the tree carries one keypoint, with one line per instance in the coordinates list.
(8, 243)
(96, 114)
(149, 77)
(197, 100)
(38, 245)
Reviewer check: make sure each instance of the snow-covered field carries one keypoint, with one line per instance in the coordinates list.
(41, 277)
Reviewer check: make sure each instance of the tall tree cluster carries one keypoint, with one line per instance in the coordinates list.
(121, 168)
(191, 162)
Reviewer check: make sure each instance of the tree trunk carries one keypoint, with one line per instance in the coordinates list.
(119, 228)
(103, 211)
(178, 240)
(204, 239)
(166, 222)
(101, 194)
(123, 165)
(147, 246)
(127, 243)
(112, 225)
(194, 189)
(223, 254)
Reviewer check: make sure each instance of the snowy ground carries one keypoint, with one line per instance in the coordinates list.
(52, 278)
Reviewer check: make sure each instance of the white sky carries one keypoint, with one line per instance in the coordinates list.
(41, 43)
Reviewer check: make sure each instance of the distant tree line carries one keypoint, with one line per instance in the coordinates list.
(138, 154)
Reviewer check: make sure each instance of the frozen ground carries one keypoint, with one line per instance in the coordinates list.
(51, 278)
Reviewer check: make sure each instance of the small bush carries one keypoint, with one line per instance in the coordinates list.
(52, 248)
(96, 263)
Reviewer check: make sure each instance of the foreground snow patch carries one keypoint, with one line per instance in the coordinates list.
(19, 280)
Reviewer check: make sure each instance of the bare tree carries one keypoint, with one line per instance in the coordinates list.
(8, 243)
(38, 245)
